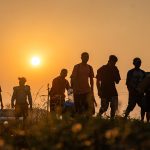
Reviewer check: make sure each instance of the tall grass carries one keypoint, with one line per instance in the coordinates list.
(44, 132)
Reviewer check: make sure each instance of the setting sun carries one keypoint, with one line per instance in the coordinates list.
(35, 61)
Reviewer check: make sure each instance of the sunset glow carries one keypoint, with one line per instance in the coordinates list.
(39, 38)
(35, 61)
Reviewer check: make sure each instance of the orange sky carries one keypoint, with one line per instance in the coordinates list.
(59, 30)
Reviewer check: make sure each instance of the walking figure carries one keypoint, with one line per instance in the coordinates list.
(107, 76)
(57, 92)
(144, 87)
(82, 89)
(134, 77)
(22, 98)
(1, 101)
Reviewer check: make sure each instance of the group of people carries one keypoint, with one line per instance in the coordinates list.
(82, 85)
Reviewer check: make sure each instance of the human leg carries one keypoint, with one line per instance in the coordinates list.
(59, 106)
(82, 103)
(131, 105)
(52, 105)
(17, 111)
(24, 111)
(78, 103)
(104, 105)
(114, 106)
(91, 106)
(21, 110)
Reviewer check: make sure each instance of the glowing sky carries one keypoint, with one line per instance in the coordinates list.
(59, 30)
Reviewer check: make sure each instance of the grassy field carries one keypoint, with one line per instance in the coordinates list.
(48, 133)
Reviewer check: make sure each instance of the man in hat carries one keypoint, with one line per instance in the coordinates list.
(134, 77)
(22, 98)
(1, 98)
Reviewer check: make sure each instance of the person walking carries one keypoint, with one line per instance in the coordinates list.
(107, 76)
(82, 84)
(57, 92)
(21, 98)
(144, 87)
(134, 77)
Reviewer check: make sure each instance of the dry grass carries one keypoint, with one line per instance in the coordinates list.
(44, 132)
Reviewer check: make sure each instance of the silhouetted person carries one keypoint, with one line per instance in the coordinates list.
(134, 78)
(22, 98)
(107, 76)
(83, 91)
(144, 87)
(57, 92)
(1, 101)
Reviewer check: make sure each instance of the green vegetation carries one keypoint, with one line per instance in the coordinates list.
(46, 133)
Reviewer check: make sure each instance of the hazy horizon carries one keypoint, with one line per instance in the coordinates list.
(58, 31)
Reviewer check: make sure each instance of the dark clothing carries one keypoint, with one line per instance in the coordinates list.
(81, 103)
(69, 108)
(134, 78)
(113, 101)
(133, 100)
(55, 102)
(144, 86)
(57, 93)
(81, 87)
(107, 76)
(20, 95)
(21, 111)
(58, 87)
(80, 78)
(146, 103)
